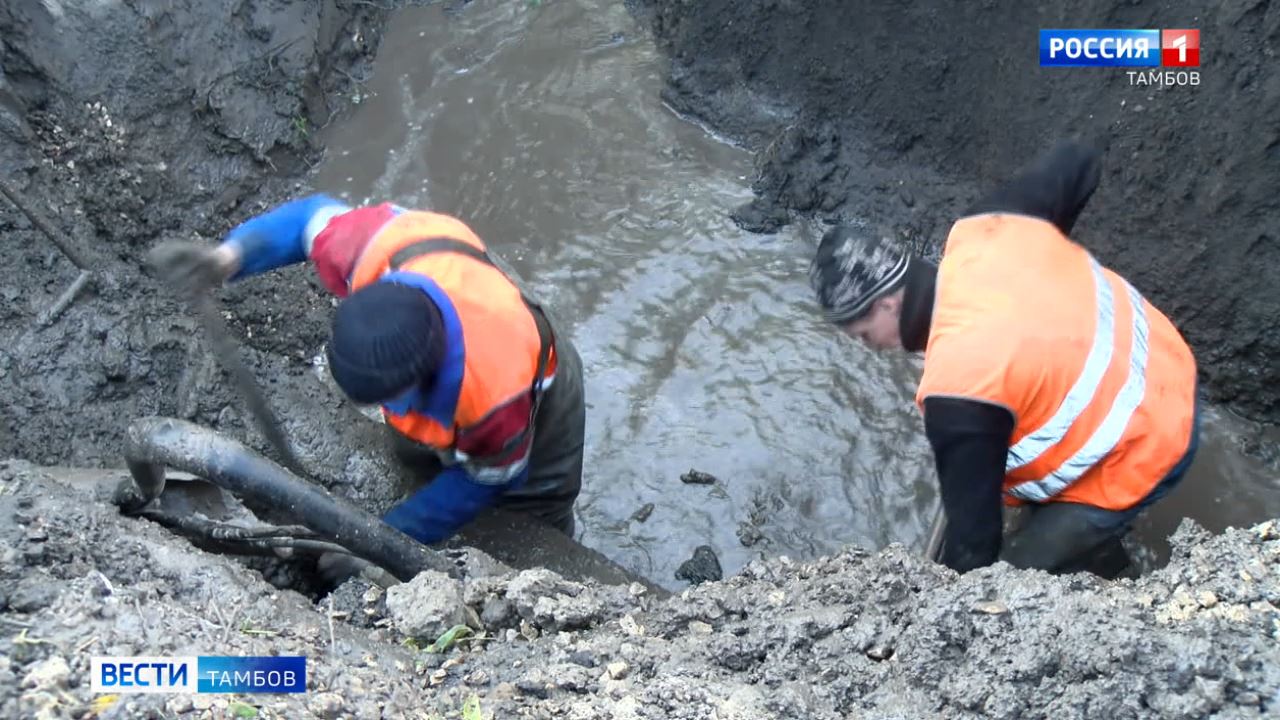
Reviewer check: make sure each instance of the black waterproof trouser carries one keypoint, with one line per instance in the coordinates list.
(555, 464)
(1061, 537)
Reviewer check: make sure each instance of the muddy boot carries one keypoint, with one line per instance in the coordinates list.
(1110, 561)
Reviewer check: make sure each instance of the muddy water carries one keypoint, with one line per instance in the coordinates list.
(540, 124)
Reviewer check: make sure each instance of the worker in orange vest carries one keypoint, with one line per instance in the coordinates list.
(1049, 381)
(486, 397)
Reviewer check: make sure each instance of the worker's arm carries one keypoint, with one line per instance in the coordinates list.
(970, 440)
(442, 508)
(279, 237)
(283, 235)
(494, 459)
(1055, 187)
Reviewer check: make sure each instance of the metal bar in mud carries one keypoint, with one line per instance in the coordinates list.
(73, 254)
(934, 548)
(64, 300)
(156, 443)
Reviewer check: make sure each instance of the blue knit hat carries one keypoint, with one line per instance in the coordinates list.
(386, 339)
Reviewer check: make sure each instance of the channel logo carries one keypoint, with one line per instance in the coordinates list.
(1180, 48)
(1120, 48)
(201, 674)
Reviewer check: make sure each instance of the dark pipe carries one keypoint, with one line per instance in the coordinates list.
(156, 443)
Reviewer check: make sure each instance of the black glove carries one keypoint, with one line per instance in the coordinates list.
(337, 568)
(192, 268)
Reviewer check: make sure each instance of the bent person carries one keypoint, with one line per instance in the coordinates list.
(485, 396)
(1049, 381)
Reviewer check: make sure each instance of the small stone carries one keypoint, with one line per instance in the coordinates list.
(327, 705)
(427, 606)
(583, 658)
(749, 535)
(32, 595)
(528, 631)
(698, 627)
(643, 513)
(497, 612)
(991, 607)
(372, 595)
(697, 477)
(702, 567)
(630, 626)
(179, 705)
(476, 678)
(1207, 599)
(618, 670)
(1248, 699)
(439, 677)
(201, 702)
(880, 652)
(48, 674)
(534, 687)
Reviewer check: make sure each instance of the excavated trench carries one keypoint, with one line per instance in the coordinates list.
(542, 124)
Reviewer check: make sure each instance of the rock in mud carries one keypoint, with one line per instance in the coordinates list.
(426, 606)
(697, 477)
(327, 705)
(50, 674)
(643, 513)
(704, 566)
(33, 594)
(550, 602)
(748, 534)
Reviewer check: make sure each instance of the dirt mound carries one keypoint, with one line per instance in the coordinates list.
(853, 635)
(901, 115)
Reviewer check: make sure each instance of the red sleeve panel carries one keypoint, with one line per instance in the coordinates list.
(338, 247)
(500, 441)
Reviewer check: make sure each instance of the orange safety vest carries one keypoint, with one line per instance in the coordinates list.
(1100, 382)
(507, 339)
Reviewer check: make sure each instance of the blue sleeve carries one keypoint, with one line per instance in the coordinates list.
(261, 252)
(439, 510)
(278, 237)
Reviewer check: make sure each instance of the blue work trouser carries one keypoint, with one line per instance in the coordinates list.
(1065, 537)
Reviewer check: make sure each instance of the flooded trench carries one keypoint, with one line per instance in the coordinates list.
(540, 124)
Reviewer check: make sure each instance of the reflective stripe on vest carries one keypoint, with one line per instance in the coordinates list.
(1109, 431)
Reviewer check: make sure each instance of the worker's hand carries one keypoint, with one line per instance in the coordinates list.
(337, 568)
(194, 268)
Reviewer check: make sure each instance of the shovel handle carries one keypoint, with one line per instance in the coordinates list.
(933, 550)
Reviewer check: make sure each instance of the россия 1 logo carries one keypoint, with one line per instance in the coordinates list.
(1129, 49)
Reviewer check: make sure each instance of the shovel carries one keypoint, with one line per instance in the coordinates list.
(226, 351)
(169, 258)
(933, 550)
